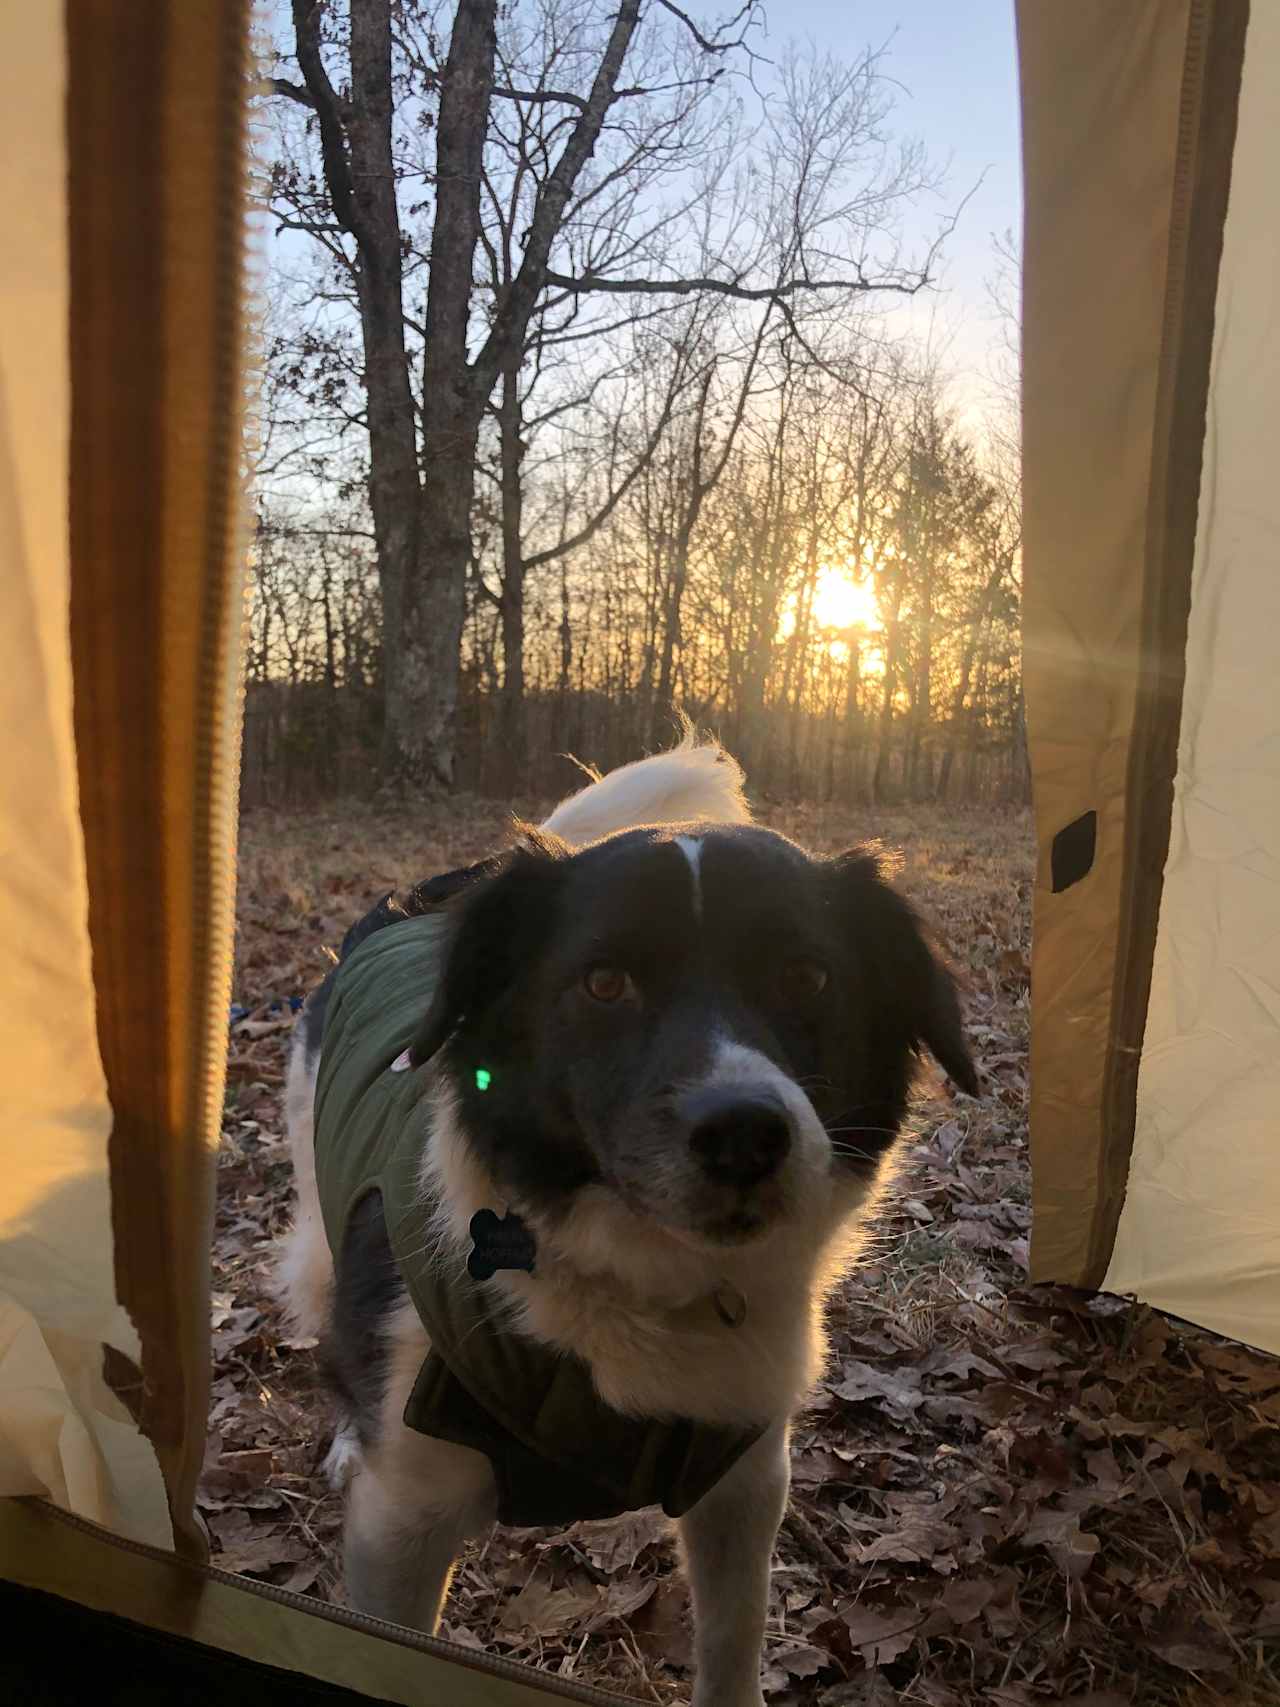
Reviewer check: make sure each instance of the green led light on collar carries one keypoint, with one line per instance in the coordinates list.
(484, 1078)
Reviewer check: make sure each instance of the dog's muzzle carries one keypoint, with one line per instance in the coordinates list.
(739, 1137)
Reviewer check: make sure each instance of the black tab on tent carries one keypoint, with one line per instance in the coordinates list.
(1071, 856)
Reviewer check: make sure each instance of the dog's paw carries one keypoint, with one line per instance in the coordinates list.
(342, 1458)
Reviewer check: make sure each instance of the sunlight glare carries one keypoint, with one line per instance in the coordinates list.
(839, 602)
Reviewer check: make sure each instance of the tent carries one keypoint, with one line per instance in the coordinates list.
(1150, 346)
(122, 374)
(1151, 324)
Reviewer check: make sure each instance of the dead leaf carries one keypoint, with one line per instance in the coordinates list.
(263, 1027)
(1095, 1698)
(964, 1600)
(897, 1389)
(1244, 1370)
(665, 1624)
(545, 1609)
(881, 1636)
(255, 1462)
(622, 1600)
(1035, 1356)
(1104, 1468)
(302, 1577)
(1042, 1455)
(253, 1549)
(915, 1543)
(786, 1663)
(461, 1635)
(1014, 965)
(1190, 1655)
(819, 1467)
(1157, 1591)
(614, 1544)
(957, 1363)
(1059, 1533)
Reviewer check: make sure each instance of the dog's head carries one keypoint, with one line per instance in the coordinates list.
(705, 1022)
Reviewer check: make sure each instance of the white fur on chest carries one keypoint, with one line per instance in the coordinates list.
(627, 1297)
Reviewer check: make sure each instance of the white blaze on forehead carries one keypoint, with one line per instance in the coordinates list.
(691, 848)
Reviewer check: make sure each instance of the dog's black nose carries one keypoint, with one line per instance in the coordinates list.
(739, 1139)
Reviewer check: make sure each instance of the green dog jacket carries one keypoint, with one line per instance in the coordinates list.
(559, 1453)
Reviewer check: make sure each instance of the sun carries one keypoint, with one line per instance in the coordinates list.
(839, 602)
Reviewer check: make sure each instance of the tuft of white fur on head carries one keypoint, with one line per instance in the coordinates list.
(694, 781)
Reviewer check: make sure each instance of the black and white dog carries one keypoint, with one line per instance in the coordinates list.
(702, 1042)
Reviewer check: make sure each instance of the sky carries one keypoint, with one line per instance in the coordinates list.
(956, 60)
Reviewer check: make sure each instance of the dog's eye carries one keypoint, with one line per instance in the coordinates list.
(804, 978)
(608, 984)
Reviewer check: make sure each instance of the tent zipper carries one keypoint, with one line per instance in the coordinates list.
(513, 1671)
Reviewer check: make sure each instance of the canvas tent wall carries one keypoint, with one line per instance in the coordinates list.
(1151, 621)
(123, 179)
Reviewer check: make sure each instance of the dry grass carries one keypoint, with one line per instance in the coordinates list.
(1002, 1494)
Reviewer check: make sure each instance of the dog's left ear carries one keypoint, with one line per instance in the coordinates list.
(911, 991)
(499, 914)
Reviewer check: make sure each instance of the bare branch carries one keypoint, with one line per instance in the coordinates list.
(553, 197)
(331, 113)
(294, 91)
(564, 97)
(536, 95)
(705, 42)
(619, 492)
(819, 361)
(908, 286)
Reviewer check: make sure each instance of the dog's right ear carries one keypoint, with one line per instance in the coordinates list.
(498, 919)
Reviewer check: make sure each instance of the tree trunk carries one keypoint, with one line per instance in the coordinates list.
(976, 624)
(424, 651)
(1021, 752)
(673, 607)
(362, 191)
(977, 718)
(564, 681)
(853, 719)
(921, 757)
(892, 649)
(331, 739)
(793, 680)
(511, 721)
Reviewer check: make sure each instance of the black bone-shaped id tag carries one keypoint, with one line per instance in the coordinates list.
(495, 1244)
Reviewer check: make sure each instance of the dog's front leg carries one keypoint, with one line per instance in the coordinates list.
(412, 1503)
(728, 1545)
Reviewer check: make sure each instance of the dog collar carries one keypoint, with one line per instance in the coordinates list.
(724, 1304)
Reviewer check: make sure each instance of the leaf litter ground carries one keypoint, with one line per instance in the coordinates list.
(1001, 1494)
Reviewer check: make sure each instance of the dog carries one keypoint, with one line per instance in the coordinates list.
(667, 1057)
